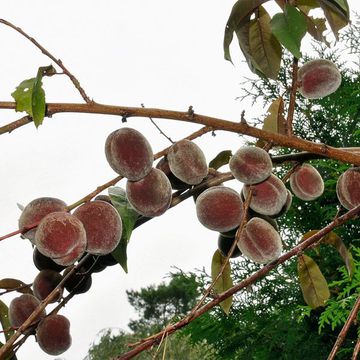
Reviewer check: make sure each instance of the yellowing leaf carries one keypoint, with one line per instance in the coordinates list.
(335, 240)
(316, 27)
(265, 49)
(224, 282)
(336, 18)
(308, 234)
(14, 284)
(240, 15)
(313, 285)
(275, 121)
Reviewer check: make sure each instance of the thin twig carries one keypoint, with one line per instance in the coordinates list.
(356, 350)
(341, 337)
(16, 124)
(58, 62)
(148, 342)
(156, 125)
(20, 287)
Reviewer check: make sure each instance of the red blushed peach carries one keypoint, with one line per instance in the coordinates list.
(150, 196)
(129, 153)
(251, 165)
(21, 308)
(45, 282)
(259, 241)
(187, 162)
(60, 235)
(268, 197)
(102, 224)
(219, 208)
(318, 78)
(348, 188)
(53, 334)
(306, 183)
(35, 211)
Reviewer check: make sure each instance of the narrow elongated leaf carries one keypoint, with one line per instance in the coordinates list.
(265, 49)
(335, 240)
(4, 320)
(224, 282)
(313, 285)
(128, 217)
(289, 28)
(339, 6)
(336, 18)
(222, 158)
(275, 120)
(240, 15)
(14, 284)
(316, 28)
(243, 35)
(5, 324)
(30, 96)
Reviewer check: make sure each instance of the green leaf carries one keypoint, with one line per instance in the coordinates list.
(224, 282)
(14, 284)
(239, 16)
(4, 320)
(5, 324)
(275, 121)
(128, 217)
(312, 282)
(265, 49)
(222, 158)
(30, 96)
(289, 28)
(336, 17)
(335, 240)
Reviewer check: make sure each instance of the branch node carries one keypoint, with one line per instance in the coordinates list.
(191, 112)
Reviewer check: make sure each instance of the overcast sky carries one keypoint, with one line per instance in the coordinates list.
(165, 54)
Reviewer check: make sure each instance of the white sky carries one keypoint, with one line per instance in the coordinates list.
(161, 53)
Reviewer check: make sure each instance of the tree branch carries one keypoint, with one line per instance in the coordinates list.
(291, 109)
(341, 337)
(215, 123)
(7, 347)
(147, 343)
(58, 62)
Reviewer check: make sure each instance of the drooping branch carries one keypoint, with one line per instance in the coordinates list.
(216, 124)
(148, 342)
(341, 337)
(58, 62)
(8, 346)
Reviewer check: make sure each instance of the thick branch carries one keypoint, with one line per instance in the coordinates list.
(147, 343)
(215, 123)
